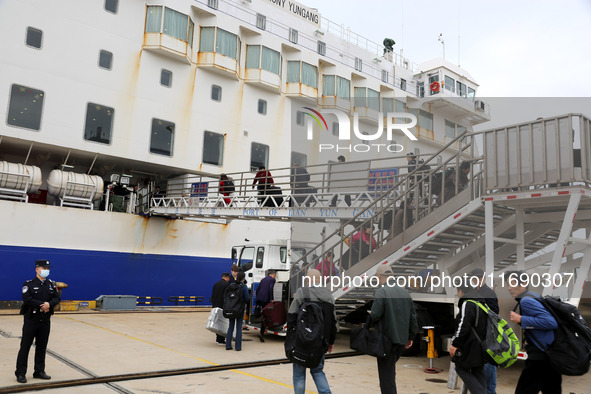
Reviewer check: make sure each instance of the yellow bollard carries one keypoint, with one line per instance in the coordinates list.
(431, 351)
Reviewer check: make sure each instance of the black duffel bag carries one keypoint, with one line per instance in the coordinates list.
(370, 340)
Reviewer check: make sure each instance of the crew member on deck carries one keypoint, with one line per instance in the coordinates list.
(40, 296)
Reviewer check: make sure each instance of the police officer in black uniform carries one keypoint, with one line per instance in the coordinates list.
(40, 296)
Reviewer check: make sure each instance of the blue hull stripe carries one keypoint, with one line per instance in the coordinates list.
(90, 274)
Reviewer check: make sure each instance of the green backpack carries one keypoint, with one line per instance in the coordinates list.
(501, 344)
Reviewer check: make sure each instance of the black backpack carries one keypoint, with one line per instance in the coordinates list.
(233, 303)
(229, 186)
(570, 353)
(437, 179)
(306, 344)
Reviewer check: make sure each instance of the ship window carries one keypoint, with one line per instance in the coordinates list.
(338, 86)
(266, 59)
(335, 128)
(300, 118)
(425, 119)
(105, 60)
(166, 78)
(358, 64)
(25, 107)
(471, 93)
(34, 37)
(450, 129)
(403, 84)
(111, 5)
(261, 21)
(171, 23)
(262, 107)
(259, 156)
(360, 97)
(99, 123)
(213, 148)
(293, 35)
(226, 43)
(302, 72)
(433, 78)
(450, 84)
(421, 89)
(343, 88)
(216, 93)
(260, 257)
(387, 105)
(212, 4)
(309, 75)
(373, 99)
(384, 76)
(461, 89)
(162, 137)
(299, 158)
(328, 86)
(399, 106)
(321, 48)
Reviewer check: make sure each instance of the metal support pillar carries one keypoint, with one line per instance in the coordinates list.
(582, 274)
(520, 238)
(489, 227)
(565, 232)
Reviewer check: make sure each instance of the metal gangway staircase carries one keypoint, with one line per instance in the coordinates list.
(520, 204)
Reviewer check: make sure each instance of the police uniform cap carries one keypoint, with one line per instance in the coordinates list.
(42, 263)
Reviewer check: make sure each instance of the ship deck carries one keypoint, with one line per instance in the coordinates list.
(169, 351)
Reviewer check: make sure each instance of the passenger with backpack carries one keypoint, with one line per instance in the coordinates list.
(492, 301)
(465, 349)
(394, 307)
(311, 332)
(226, 188)
(538, 328)
(235, 299)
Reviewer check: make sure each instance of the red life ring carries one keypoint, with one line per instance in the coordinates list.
(434, 86)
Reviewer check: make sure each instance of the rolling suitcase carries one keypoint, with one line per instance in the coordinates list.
(274, 314)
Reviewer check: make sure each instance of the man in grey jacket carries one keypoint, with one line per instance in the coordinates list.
(393, 305)
(320, 295)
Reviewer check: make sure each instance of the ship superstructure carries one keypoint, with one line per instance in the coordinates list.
(120, 94)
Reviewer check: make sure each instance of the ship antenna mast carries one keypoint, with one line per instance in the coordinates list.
(442, 41)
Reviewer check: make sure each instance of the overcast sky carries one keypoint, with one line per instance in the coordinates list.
(531, 48)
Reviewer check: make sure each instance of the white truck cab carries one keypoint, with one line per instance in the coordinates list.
(255, 258)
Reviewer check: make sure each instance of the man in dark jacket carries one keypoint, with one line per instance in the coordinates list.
(322, 296)
(465, 349)
(217, 300)
(237, 322)
(40, 296)
(394, 306)
(490, 297)
(538, 328)
(264, 295)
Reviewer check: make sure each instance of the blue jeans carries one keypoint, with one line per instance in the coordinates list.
(490, 373)
(299, 378)
(238, 323)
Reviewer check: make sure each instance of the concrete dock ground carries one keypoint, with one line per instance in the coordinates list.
(96, 344)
